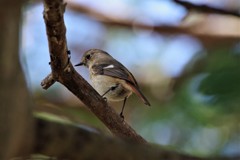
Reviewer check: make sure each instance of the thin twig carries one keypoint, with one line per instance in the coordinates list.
(47, 82)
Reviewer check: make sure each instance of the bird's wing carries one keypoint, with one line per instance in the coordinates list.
(117, 70)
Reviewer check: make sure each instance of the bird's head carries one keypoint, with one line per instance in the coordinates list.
(91, 56)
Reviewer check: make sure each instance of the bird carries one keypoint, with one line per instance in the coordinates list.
(111, 79)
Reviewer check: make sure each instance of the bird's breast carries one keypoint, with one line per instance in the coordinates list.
(103, 83)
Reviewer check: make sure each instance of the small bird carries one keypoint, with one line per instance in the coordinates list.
(110, 78)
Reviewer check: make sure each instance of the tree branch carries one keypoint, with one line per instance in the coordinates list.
(206, 9)
(71, 142)
(67, 75)
(47, 81)
(110, 20)
(123, 22)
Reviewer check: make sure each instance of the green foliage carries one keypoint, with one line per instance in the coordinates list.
(203, 115)
(224, 85)
(222, 82)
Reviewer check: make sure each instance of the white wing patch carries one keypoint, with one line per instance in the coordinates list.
(110, 66)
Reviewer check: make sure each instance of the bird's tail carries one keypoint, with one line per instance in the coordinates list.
(137, 91)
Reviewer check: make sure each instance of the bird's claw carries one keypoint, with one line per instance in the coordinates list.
(122, 116)
(105, 99)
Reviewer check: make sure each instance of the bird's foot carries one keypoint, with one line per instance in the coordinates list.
(122, 116)
(105, 99)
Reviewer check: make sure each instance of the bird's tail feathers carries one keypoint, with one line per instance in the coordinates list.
(140, 95)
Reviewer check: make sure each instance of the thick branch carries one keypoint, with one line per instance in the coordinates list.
(15, 102)
(53, 16)
(71, 142)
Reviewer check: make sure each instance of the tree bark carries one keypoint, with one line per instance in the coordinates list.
(15, 114)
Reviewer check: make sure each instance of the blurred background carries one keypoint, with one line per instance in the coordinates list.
(187, 63)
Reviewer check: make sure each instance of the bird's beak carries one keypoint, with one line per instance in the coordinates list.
(79, 64)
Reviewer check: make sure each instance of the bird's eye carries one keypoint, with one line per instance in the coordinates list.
(88, 56)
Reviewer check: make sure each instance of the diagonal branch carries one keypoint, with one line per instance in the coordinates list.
(206, 9)
(67, 75)
(110, 20)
